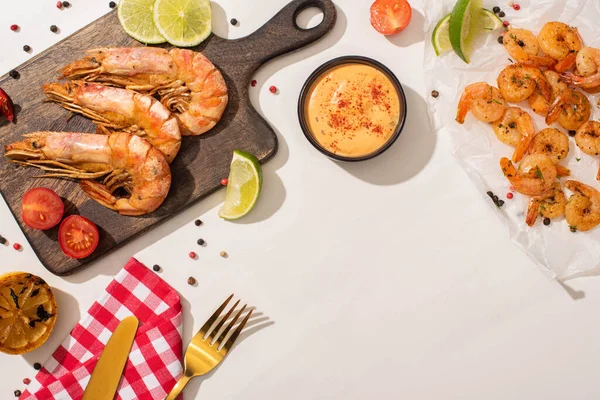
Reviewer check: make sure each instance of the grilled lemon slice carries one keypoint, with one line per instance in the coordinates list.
(27, 312)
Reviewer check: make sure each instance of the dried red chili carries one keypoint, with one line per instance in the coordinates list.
(6, 106)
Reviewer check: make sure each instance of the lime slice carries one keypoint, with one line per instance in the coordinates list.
(184, 23)
(137, 19)
(243, 188)
(440, 39)
(463, 27)
(441, 36)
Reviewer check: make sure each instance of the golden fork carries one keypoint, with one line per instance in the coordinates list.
(204, 352)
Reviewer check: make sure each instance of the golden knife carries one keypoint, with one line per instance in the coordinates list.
(107, 373)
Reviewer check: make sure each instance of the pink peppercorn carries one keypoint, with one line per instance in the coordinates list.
(509, 195)
(512, 189)
(59, 5)
(253, 83)
(26, 381)
(192, 255)
(273, 89)
(14, 27)
(516, 7)
(506, 23)
(17, 246)
(224, 181)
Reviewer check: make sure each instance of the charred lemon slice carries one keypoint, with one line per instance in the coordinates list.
(27, 312)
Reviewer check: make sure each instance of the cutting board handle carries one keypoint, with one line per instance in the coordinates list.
(281, 34)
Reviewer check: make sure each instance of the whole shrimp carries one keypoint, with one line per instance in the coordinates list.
(120, 109)
(523, 46)
(561, 42)
(483, 100)
(582, 211)
(538, 103)
(570, 108)
(516, 129)
(550, 204)
(124, 160)
(536, 174)
(588, 139)
(185, 81)
(552, 143)
(588, 68)
(517, 82)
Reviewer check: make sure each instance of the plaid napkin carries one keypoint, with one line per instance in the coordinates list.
(154, 363)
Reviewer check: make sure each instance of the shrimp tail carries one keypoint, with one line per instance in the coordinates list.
(532, 211)
(585, 82)
(562, 171)
(540, 61)
(566, 63)
(544, 87)
(464, 104)
(99, 193)
(555, 110)
(508, 169)
(525, 125)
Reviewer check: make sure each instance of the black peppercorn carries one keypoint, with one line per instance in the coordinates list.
(200, 242)
(2, 240)
(521, 43)
(26, 48)
(37, 366)
(66, 4)
(191, 280)
(501, 39)
(500, 203)
(17, 393)
(490, 193)
(501, 14)
(53, 28)
(112, 4)
(435, 94)
(546, 221)
(572, 133)
(156, 268)
(496, 10)
(495, 198)
(234, 21)
(13, 74)
(573, 228)
(198, 222)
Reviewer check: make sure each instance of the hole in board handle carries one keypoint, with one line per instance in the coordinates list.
(309, 18)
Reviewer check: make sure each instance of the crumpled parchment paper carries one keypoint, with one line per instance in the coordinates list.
(559, 252)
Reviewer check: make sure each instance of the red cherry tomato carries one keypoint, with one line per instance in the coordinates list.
(41, 208)
(78, 236)
(6, 108)
(390, 16)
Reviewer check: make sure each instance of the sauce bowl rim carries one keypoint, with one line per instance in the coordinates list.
(353, 59)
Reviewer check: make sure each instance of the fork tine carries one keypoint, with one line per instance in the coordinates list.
(231, 324)
(214, 332)
(213, 318)
(237, 332)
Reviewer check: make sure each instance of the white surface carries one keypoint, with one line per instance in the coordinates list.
(555, 249)
(387, 279)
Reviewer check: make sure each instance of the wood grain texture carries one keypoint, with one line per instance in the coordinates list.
(202, 161)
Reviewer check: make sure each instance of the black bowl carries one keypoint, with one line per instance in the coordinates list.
(351, 60)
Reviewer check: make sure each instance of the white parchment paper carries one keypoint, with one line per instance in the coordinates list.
(559, 252)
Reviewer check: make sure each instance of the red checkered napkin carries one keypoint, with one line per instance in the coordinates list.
(154, 363)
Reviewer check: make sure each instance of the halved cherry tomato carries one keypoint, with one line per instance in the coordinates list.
(390, 16)
(78, 236)
(6, 108)
(41, 208)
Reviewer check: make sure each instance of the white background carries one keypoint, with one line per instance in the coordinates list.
(384, 279)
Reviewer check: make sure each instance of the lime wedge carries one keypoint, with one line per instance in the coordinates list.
(463, 27)
(184, 23)
(137, 19)
(441, 36)
(243, 188)
(440, 39)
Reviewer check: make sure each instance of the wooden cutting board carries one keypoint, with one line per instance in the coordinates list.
(202, 161)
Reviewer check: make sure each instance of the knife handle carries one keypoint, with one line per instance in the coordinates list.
(179, 386)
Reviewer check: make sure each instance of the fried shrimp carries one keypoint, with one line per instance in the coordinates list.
(517, 82)
(123, 160)
(570, 108)
(552, 143)
(550, 204)
(561, 42)
(536, 174)
(515, 129)
(588, 139)
(588, 69)
(186, 82)
(523, 46)
(483, 100)
(582, 211)
(538, 103)
(120, 110)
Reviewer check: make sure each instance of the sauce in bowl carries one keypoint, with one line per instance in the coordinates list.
(352, 110)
